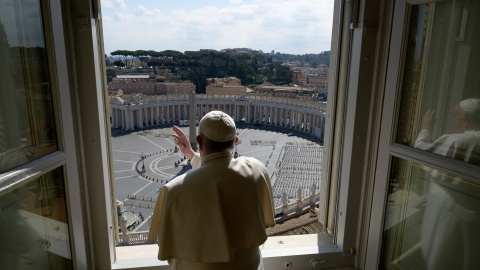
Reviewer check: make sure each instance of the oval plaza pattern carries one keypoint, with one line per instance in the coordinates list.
(280, 132)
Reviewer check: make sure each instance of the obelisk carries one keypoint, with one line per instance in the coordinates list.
(192, 118)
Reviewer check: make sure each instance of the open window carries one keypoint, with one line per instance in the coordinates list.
(427, 184)
(392, 62)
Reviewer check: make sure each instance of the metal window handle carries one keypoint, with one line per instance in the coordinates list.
(315, 262)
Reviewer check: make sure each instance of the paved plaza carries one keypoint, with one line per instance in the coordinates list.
(139, 190)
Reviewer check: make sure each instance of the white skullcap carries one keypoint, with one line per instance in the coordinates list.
(217, 126)
(471, 107)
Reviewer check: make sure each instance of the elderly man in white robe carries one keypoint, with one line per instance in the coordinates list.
(451, 222)
(215, 216)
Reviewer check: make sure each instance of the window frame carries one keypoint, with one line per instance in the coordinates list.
(360, 66)
(66, 157)
(388, 148)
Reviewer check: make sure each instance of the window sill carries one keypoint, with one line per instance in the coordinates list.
(297, 249)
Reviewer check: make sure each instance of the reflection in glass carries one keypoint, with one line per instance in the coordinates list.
(432, 220)
(27, 128)
(34, 225)
(440, 103)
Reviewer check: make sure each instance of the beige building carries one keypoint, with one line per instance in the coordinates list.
(149, 84)
(229, 86)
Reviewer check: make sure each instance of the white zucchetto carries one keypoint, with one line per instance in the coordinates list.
(217, 126)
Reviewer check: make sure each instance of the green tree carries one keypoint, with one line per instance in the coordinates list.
(119, 63)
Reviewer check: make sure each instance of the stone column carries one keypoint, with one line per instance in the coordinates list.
(119, 118)
(299, 120)
(145, 111)
(151, 116)
(262, 114)
(237, 113)
(310, 123)
(304, 128)
(123, 114)
(314, 124)
(302, 121)
(322, 127)
(289, 117)
(132, 121)
(282, 117)
(292, 119)
(276, 115)
(235, 107)
(160, 115)
(176, 116)
(146, 117)
(114, 115)
(168, 114)
(179, 113)
(286, 116)
(113, 118)
(269, 115)
(126, 120)
(279, 117)
(140, 118)
(255, 114)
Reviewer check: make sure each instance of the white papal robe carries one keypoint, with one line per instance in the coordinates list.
(451, 222)
(214, 217)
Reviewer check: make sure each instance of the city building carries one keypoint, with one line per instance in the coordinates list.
(148, 84)
(391, 62)
(229, 86)
(297, 77)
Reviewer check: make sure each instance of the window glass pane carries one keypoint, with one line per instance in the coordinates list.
(34, 225)
(432, 220)
(440, 107)
(27, 128)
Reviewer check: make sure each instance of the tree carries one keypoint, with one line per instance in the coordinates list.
(125, 54)
(119, 63)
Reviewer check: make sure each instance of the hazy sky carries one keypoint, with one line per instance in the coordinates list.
(293, 26)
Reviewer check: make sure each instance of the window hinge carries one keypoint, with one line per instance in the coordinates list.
(354, 22)
(351, 253)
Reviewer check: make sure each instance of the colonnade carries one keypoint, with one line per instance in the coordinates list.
(146, 111)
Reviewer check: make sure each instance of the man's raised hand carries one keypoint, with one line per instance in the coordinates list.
(183, 142)
(429, 120)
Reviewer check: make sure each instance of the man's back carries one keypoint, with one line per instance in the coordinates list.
(215, 210)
